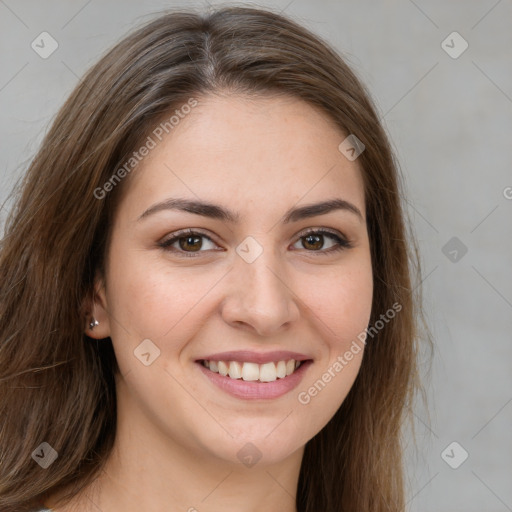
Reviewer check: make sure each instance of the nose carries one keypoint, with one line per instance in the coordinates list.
(260, 297)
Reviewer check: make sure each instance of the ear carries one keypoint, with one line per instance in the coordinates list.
(96, 308)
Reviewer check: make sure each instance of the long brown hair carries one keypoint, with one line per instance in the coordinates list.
(57, 385)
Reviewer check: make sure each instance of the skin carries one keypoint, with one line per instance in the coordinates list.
(178, 434)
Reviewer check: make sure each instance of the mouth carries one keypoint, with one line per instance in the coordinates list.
(255, 376)
(251, 372)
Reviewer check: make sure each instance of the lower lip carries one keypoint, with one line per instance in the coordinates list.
(253, 390)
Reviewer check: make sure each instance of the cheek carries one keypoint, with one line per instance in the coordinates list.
(341, 302)
(342, 309)
(152, 299)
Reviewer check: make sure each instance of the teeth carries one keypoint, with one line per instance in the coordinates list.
(250, 371)
(281, 369)
(223, 368)
(268, 372)
(235, 370)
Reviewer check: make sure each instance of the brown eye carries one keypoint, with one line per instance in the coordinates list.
(314, 241)
(189, 242)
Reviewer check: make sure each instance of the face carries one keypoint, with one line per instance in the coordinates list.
(244, 276)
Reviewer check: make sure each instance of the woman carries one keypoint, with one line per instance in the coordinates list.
(206, 288)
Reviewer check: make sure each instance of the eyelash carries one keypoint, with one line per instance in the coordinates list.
(342, 243)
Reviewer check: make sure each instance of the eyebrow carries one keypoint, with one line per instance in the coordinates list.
(215, 211)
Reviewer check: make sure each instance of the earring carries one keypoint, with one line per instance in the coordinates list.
(93, 323)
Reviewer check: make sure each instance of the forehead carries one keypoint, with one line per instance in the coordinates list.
(259, 153)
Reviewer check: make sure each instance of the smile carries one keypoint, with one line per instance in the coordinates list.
(247, 371)
(255, 376)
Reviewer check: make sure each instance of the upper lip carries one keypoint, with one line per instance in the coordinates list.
(255, 357)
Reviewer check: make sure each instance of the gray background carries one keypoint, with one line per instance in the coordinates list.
(450, 120)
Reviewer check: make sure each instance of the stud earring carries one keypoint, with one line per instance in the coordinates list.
(93, 323)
